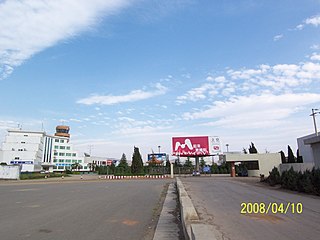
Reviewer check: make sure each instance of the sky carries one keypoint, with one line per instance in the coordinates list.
(125, 73)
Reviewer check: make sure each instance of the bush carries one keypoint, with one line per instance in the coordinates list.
(274, 177)
(289, 179)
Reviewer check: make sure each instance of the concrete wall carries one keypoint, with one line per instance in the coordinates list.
(305, 150)
(296, 167)
(267, 161)
(9, 172)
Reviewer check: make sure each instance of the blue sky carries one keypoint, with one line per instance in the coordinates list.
(136, 73)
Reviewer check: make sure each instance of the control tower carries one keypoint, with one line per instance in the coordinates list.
(62, 131)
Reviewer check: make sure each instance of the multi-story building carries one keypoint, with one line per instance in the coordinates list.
(35, 151)
(24, 148)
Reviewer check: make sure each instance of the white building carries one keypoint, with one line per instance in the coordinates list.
(35, 151)
(309, 149)
(23, 148)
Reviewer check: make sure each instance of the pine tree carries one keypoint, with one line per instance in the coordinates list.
(283, 157)
(299, 158)
(137, 164)
(252, 148)
(123, 164)
(291, 158)
(244, 151)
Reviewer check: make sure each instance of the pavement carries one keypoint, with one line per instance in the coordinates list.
(211, 209)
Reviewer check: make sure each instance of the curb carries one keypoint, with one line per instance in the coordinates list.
(192, 226)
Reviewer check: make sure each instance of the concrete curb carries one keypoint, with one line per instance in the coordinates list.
(192, 226)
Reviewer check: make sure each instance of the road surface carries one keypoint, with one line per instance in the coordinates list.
(218, 202)
(80, 210)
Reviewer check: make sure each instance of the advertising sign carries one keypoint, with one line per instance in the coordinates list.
(195, 146)
(158, 156)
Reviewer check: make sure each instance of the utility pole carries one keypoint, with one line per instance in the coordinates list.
(313, 114)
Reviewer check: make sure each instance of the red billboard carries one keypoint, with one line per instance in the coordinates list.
(195, 146)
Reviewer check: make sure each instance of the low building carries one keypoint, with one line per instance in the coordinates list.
(257, 164)
(24, 148)
(35, 151)
(309, 149)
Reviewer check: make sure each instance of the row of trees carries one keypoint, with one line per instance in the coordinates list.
(308, 181)
(290, 159)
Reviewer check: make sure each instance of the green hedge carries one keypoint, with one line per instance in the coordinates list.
(26, 176)
(308, 181)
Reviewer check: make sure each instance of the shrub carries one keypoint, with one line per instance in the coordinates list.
(274, 177)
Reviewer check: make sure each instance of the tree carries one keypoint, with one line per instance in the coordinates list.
(299, 158)
(123, 162)
(188, 163)
(137, 164)
(283, 157)
(252, 148)
(244, 151)
(202, 162)
(291, 158)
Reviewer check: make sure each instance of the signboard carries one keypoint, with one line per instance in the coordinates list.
(158, 156)
(195, 146)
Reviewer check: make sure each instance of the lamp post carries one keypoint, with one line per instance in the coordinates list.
(313, 114)
(227, 145)
(159, 148)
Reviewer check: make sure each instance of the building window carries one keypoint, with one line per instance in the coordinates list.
(68, 154)
(54, 167)
(56, 147)
(17, 158)
(68, 148)
(79, 161)
(74, 154)
(23, 142)
(61, 160)
(56, 140)
(55, 154)
(68, 160)
(74, 161)
(61, 154)
(60, 167)
(61, 140)
(62, 147)
(25, 135)
(55, 160)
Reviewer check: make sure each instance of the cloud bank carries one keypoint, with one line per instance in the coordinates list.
(30, 26)
(135, 95)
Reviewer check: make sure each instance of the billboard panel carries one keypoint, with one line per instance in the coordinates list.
(195, 146)
(158, 156)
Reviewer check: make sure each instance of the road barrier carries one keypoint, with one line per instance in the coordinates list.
(112, 177)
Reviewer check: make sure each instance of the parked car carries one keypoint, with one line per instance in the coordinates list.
(195, 173)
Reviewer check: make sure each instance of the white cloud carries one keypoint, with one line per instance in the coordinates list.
(277, 37)
(264, 110)
(315, 21)
(196, 94)
(315, 57)
(25, 23)
(135, 95)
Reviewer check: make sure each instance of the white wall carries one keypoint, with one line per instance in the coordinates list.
(267, 161)
(9, 172)
(296, 167)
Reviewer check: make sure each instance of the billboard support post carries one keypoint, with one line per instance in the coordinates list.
(197, 163)
(171, 170)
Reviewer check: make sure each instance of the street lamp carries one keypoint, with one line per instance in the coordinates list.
(227, 145)
(313, 114)
(159, 148)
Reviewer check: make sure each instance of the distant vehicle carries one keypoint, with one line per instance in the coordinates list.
(195, 173)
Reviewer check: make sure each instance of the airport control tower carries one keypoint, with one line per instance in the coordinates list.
(62, 131)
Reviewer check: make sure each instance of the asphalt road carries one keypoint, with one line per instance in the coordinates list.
(218, 202)
(81, 210)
